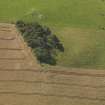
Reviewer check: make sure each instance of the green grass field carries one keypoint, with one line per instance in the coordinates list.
(84, 13)
(77, 23)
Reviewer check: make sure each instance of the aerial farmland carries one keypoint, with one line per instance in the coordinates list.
(52, 52)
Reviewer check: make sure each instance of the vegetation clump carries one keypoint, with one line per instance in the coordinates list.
(42, 41)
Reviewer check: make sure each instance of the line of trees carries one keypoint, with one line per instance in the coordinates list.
(42, 41)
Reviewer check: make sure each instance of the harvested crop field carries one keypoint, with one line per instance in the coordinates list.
(23, 82)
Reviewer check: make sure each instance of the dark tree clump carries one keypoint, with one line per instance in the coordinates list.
(43, 42)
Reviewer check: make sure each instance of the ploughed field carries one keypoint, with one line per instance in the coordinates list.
(23, 82)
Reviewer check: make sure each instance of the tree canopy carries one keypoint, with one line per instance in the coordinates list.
(42, 41)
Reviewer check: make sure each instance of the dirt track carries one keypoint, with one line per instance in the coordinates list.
(22, 82)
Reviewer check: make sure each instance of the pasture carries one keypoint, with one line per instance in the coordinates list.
(78, 23)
